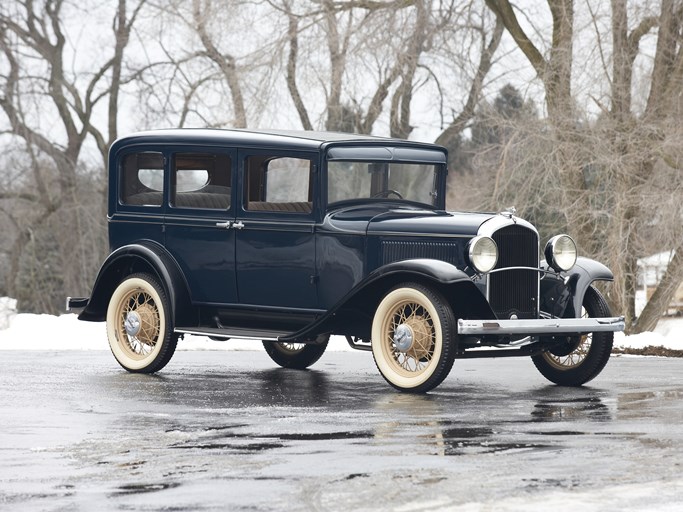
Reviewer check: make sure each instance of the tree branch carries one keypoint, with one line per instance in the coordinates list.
(503, 10)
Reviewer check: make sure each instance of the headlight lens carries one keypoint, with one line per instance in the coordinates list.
(560, 252)
(482, 253)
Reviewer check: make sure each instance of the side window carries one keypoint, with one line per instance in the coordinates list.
(201, 180)
(142, 179)
(282, 184)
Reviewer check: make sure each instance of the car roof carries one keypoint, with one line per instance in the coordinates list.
(292, 139)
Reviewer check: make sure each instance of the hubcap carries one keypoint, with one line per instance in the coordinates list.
(132, 323)
(403, 338)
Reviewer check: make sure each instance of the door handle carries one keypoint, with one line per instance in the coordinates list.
(238, 225)
(224, 225)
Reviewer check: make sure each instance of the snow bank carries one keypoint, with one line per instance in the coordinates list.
(668, 334)
(66, 332)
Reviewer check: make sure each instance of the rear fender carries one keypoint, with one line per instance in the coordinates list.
(148, 257)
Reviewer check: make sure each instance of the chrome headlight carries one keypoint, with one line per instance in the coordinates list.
(560, 252)
(482, 253)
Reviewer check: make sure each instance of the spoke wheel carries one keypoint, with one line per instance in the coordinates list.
(139, 327)
(297, 356)
(412, 334)
(589, 355)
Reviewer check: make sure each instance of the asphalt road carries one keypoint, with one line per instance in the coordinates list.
(229, 431)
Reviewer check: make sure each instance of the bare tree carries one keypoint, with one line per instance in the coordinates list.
(42, 80)
(202, 12)
(489, 44)
(375, 58)
(607, 166)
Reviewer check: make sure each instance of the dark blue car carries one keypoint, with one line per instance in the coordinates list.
(290, 237)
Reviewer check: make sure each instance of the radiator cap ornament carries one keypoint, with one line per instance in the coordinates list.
(510, 213)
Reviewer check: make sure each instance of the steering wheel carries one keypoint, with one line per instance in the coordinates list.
(387, 193)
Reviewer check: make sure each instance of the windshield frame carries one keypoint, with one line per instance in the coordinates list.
(421, 154)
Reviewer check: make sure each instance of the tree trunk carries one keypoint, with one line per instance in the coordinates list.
(661, 298)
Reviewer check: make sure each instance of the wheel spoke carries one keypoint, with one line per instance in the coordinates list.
(292, 347)
(141, 304)
(418, 357)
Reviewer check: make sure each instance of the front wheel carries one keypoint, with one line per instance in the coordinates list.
(139, 325)
(585, 358)
(413, 338)
(298, 356)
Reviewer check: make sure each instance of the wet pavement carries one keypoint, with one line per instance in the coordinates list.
(230, 431)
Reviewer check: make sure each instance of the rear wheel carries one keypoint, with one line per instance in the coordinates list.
(583, 358)
(413, 338)
(298, 356)
(139, 326)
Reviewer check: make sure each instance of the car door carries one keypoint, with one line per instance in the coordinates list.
(275, 230)
(199, 221)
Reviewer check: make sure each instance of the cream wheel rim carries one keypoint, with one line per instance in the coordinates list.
(406, 313)
(135, 323)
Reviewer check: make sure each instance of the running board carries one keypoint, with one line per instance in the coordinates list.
(227, 333)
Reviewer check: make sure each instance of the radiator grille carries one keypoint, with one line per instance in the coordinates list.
(515, 291)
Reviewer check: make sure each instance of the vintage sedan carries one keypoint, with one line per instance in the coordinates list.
(291, 237)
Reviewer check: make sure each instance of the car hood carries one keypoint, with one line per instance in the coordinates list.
(407, 221)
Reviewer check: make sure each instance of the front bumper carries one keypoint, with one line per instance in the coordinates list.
(540, 327)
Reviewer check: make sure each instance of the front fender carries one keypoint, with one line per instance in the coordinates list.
(562, 293)
(436, 270)
(353, 314)
(145, 256)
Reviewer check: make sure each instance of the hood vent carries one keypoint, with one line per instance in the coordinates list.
(399, 250)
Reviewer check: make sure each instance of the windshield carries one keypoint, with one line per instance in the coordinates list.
(348, 180)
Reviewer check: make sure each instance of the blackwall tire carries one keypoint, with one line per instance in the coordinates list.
(419, 316)
(139, 325)
(589, 358)
(298, 356)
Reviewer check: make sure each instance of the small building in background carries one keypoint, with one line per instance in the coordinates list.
(8, 308)
(650, 273)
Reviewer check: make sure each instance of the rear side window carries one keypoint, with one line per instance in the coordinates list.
(201, 180)
(142, 179)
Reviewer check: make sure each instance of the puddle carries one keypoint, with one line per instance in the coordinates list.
(558, 433)
(452, 448)
(269, 442)
(323, 436)
(142, 488)
(251, 447)
(536, 483)
(592, 409)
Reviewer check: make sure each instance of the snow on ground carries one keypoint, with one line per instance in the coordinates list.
(66, 332)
